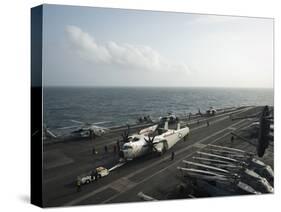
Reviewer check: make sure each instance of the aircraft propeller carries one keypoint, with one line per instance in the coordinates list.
(125, 135)
(149, 141)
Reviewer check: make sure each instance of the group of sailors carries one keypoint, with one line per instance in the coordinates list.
(145, 119)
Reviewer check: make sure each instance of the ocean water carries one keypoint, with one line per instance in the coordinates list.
(121, 105)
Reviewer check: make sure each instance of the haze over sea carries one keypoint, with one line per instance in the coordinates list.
(121, 105)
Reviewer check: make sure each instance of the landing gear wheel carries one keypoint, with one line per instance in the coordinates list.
(164, 150)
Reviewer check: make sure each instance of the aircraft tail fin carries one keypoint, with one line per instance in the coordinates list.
(178, 126)
(166, 125)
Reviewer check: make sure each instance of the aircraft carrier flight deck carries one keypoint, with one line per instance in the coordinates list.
(150, 177)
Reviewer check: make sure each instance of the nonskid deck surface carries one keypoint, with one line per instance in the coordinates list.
(153, 175)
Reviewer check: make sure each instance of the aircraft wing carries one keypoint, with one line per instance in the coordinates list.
(69, 127)
(77, 122)
(51, 133)
(101, 122)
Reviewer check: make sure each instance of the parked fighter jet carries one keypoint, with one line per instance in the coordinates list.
(232, 171)
(151, 139)
(211, 111)
(262, 129)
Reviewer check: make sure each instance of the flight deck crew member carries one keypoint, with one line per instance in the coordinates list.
(78, 185)
(118, 145)
(92, 175)
(96, 175)
(145, 119)
(172, 155)
(94, 151)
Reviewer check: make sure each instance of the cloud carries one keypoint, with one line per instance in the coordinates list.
(136, 57)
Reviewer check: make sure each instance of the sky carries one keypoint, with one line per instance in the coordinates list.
(87, 46)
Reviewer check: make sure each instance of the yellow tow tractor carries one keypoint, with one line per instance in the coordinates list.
(93, 175)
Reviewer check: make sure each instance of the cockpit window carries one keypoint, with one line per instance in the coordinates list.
(133, 139)
(136, 139)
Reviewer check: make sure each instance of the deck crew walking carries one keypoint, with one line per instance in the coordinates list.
(78, 185)
(172, 155)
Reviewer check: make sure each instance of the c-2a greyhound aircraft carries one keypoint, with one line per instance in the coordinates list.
(151, 139)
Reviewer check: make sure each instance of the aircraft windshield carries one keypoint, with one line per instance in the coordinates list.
(127, 147)
(133, 139)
